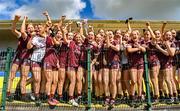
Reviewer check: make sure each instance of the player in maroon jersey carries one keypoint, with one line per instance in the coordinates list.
(89, 43)
(50, 66)
(136, 62)
(98, 70)
(125, 65)
(153, 60)
(16, 61)
(118, 37)
(167, 51)
(73, 56)
(27, 34)
(114, 64)
(175, 59)
(21, 57)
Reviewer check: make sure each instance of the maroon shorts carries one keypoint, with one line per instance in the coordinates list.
(26, 62)
(17, 60)
(153, 64)
(166, 65)
(47, 65)
(136, 66)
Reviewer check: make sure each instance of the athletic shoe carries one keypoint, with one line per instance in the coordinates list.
(112, 102)
(170, 101)
(78, 99)
(138, 103)
(176, 100)
(38, 102)
(32, 97)
(131, 103)
(106, 102)
(155, 101)
(73, 102)
(10, 98)
(61, 100)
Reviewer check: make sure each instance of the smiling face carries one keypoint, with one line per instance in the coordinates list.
(168, 35)
(173, 33)
(90, 36)
(77, 38)
(157, 34)
(118, 33)
(70, 36)
(101, 32)
(30, 28)
(134, 36)
(111, 36)
(98, 38)
(147, 35)
(59, 35)
(126, 37)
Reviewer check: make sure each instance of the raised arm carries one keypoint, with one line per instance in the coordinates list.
(61, 20)
(13, 29)
(23, 28)
(129, 27)
(81, 31)
(91, 28)
(47, 17)
(150, 30)
(64, 33)
(70, 26)
(163, 27)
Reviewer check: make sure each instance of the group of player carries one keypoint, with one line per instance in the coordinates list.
(57, 57)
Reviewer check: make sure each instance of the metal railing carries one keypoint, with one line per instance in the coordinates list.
(6, 59)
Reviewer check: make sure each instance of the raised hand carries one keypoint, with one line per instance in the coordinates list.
(164, 22)
(25, 18)
(17, 17)
(63, 17)
(64, 30)
(147, 24)
(45, 13)
(70, 22)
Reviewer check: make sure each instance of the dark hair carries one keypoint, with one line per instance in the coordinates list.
(178, 35)
(53, 32)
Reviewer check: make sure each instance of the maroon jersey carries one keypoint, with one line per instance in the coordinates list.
(103, 56)
(22, 52)
(50, 57)
(74, 54)
(135, 58)
(165, 61)
(93, 48)
(151, 52)
(114, 56)
(62, 55)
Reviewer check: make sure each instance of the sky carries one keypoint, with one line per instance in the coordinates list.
(92, 9)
